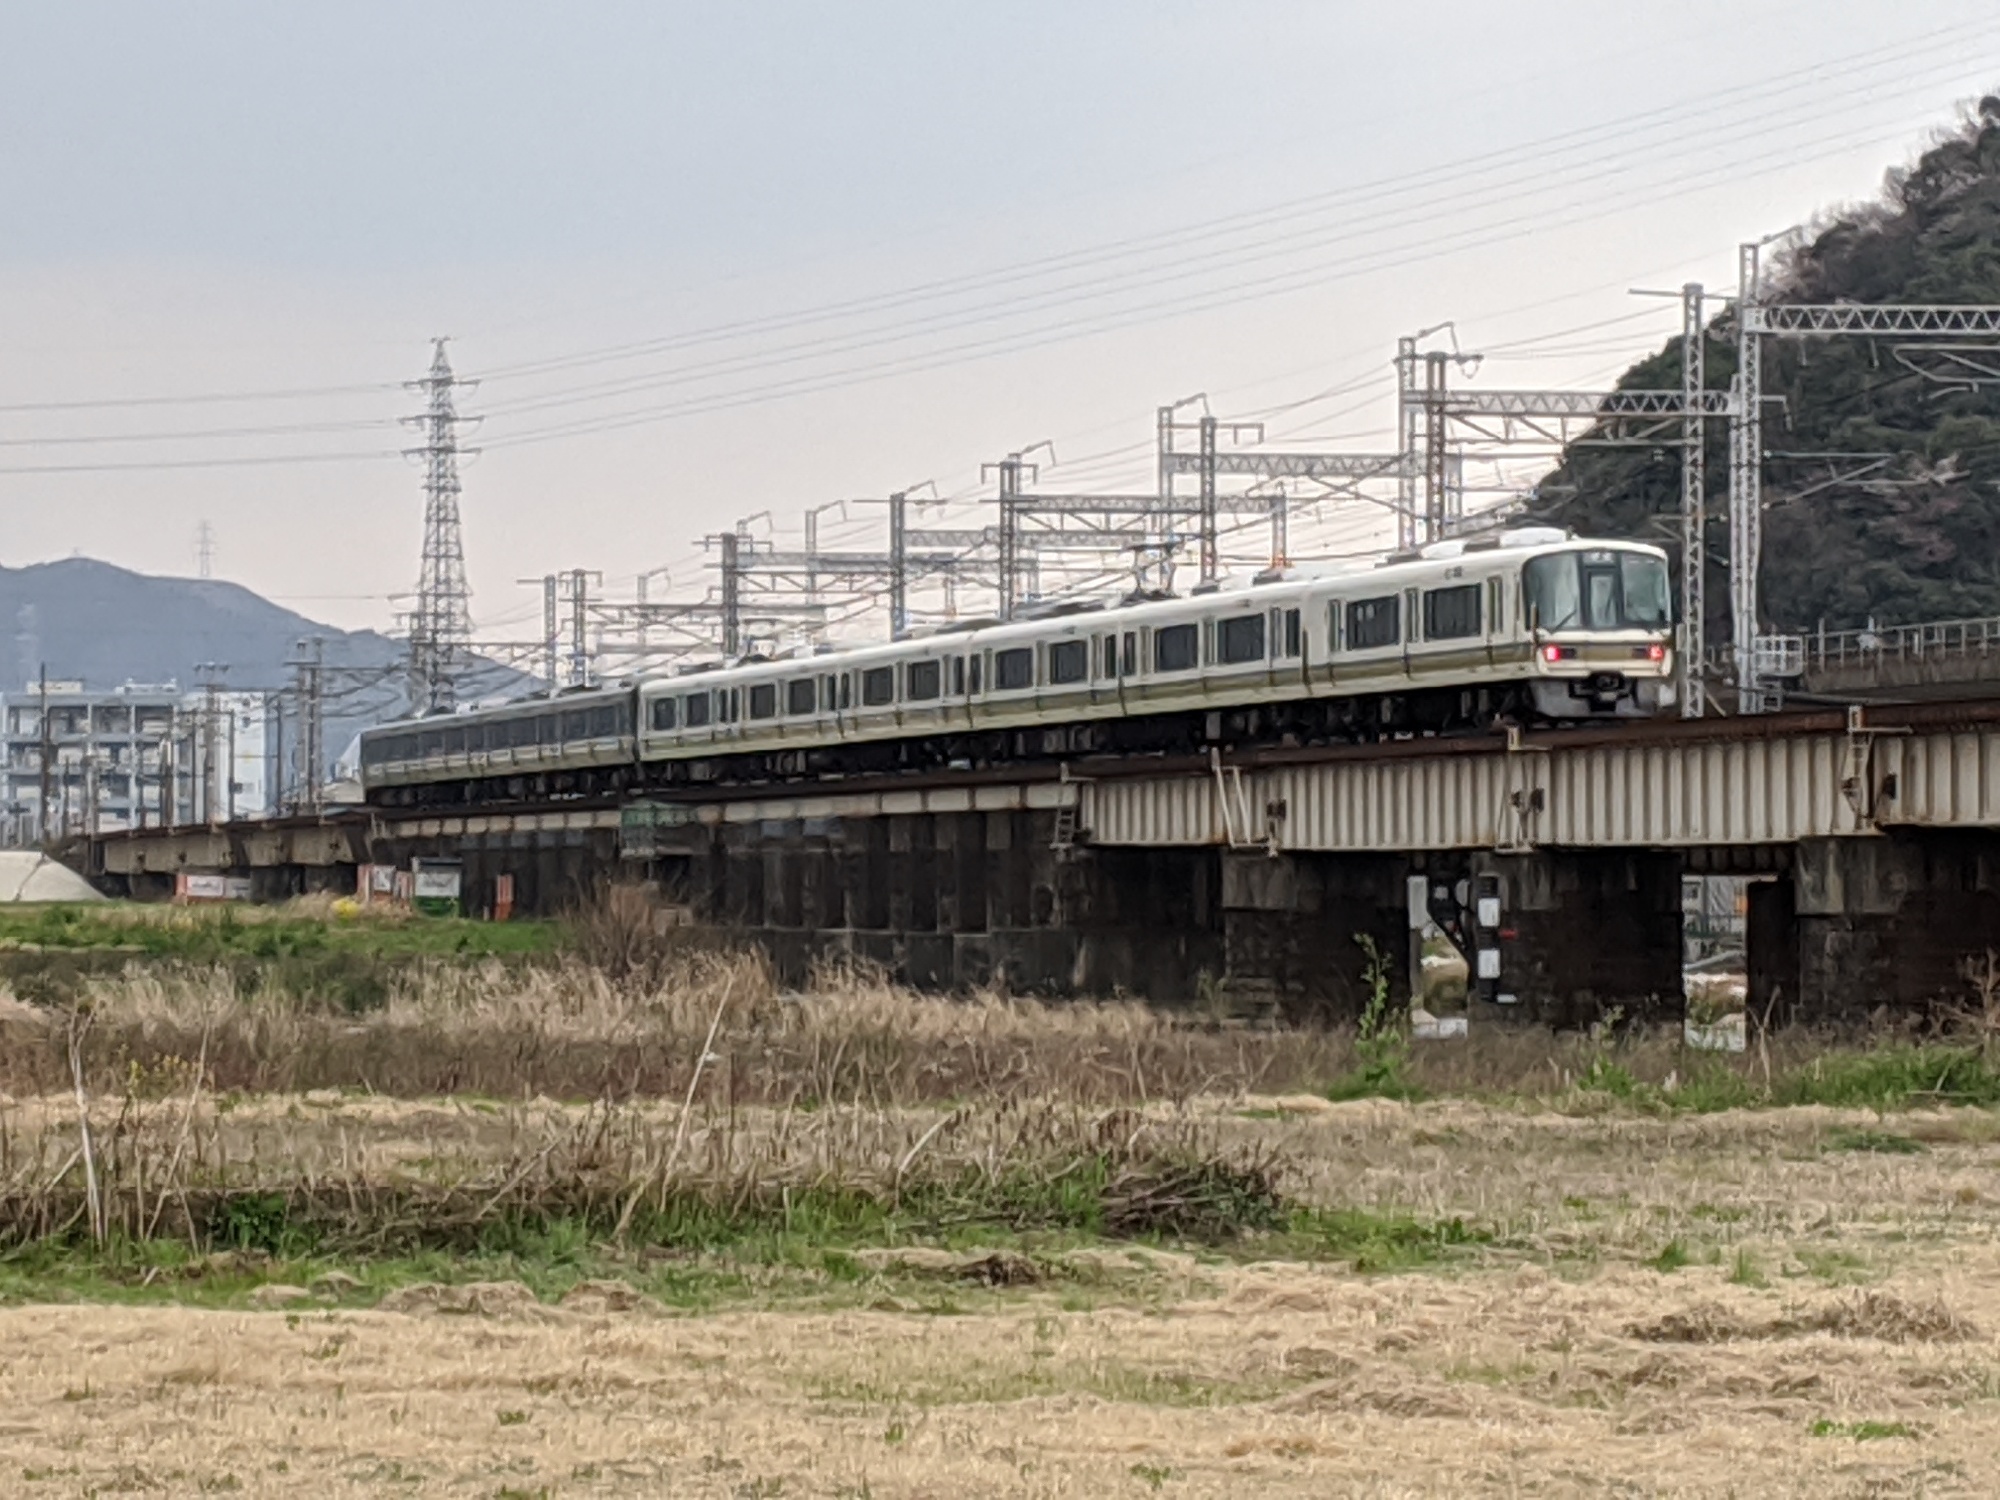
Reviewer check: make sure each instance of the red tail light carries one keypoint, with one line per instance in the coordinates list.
(1552, 653)
(1656, 652)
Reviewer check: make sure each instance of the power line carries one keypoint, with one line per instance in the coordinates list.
(1814, 78)
(1262, 288)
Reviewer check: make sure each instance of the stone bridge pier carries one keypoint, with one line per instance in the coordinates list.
(1898, 924)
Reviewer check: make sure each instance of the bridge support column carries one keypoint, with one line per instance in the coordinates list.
(1296, 928)
(1585, 932)
(1898, 922)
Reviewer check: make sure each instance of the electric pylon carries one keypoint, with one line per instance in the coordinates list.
(441, 623)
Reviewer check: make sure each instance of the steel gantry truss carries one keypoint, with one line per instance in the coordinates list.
(1560, 420)
(1757, 656)
(765, 588)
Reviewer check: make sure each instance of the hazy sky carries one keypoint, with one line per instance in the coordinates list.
(719, 260)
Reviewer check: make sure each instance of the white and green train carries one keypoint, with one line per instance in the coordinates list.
(1523, 626)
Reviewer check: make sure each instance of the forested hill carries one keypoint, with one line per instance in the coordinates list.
(1919, 539)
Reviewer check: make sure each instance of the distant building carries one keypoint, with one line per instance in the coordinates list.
(81, 760)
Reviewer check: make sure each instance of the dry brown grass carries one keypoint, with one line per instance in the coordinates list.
(575, 1031)
(1590, 1295)
(1555, 1360)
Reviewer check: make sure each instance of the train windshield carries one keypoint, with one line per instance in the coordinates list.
(1602, 589)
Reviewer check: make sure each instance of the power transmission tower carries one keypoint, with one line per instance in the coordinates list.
(441, 623)
(204, 549)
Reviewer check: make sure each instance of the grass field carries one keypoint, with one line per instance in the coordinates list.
(562, 1227)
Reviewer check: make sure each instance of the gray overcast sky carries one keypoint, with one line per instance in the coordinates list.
(757, 257)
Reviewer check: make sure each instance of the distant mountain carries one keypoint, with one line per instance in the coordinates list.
(104, 625)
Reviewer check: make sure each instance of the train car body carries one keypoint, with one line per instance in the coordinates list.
(1522, 625)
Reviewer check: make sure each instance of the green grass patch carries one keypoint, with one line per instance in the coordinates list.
(48, 953)
(1383, 1241)
(1874, 1142)
(1672, 1257)
(1861, 1432)
(1894, 1077)
(214, 934)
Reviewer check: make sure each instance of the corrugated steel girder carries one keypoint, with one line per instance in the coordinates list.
(1772, 790)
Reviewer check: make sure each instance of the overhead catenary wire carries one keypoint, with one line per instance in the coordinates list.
(1813, 77)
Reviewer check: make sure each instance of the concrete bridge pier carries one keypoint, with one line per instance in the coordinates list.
(1561, 937)
(1297, 928)
(1584, 931)
(1901, 922)
(956, 900)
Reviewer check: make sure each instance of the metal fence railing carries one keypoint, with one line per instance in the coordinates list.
(1874, 644)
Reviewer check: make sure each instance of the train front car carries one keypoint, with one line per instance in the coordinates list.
(1600, 618)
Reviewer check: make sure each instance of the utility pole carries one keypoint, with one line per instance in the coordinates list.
(579, 611)
(308, 690)
(441, 624)
(1694, 504)
(1746, 480)
(899, 566)
(551, 633)
(1211, 560)
(210, 738)
(1407, 413)
(1008, 472)
(1436, 482)
(732, 595)
(47, 778)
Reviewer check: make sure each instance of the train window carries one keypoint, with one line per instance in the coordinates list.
(1552, 594)
(973, 669)
(801, 696)
(1451, 614)
(763, 700)
(1069, 661)
(1176, 648)
(432, 742)
(923, 681)
(1128, 655)
(604, 722)
(958, 677)
(878, 686)
(829, 691)
(1108, 655)
(1294, 641)
(666, 713)
(1374, 622)
(1644, 584)
(1239, 639)
(1013, 669)
(847, 690)
(696, 705)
